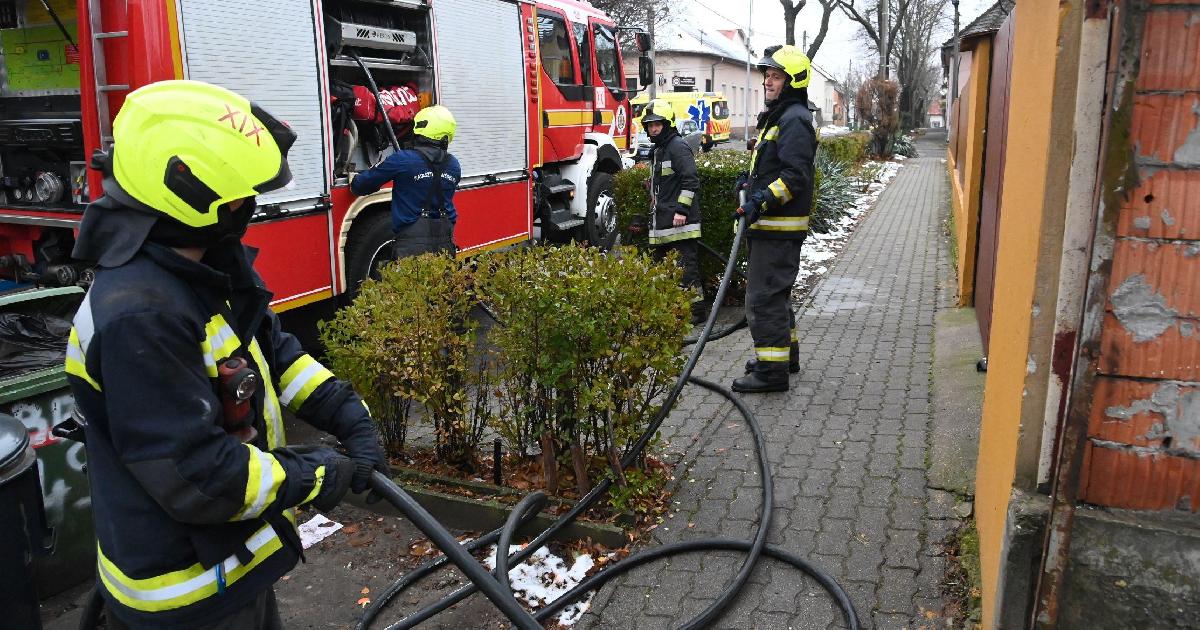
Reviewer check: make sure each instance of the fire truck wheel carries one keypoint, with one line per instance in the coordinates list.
(600, 225)
(369, 245)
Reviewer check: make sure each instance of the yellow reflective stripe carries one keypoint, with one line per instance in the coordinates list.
(771, 134)
(781, 224)
(795, 337)
(771, 354)
(76, 361)
(780, 190)
(667, 170)
(264, 475)
(569, 117)
(271, 410)
(185, 586)
(301, 378)
(685, 197)
(219, 342)
(316, 488)
(670, 235)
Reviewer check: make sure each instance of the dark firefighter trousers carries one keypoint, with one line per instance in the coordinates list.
(770, 275)
(260, 614)
(427, 235)
(689, 262)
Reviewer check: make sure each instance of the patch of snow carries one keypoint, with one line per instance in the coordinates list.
(545, 577)
(822, 248)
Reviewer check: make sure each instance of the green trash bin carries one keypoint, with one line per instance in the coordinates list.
(40, 399)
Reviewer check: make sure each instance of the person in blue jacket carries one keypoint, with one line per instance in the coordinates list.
(193, 485)
(424, 179)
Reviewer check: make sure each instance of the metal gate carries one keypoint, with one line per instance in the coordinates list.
(993, 178)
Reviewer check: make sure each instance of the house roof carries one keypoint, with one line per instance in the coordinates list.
(685, 38)
(989, 21)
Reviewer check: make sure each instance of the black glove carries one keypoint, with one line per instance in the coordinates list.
(750, 210)
(363, 447)
(742, 183)
(301, 461)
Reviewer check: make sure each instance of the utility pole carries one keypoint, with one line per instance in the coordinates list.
(953, 69)
(884, 44)
(653, 45)
(746, 92)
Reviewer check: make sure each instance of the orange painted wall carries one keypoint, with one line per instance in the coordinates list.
(965, 161)
(1025, 180)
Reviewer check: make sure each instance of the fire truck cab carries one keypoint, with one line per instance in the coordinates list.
(537, 89)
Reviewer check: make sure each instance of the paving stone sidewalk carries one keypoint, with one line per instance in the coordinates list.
(847, 445)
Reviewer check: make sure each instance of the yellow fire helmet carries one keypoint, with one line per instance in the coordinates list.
(791, 60)
(658, 109)
(435, 123)
(184, 148)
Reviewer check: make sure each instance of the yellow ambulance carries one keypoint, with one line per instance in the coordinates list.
(702, 118)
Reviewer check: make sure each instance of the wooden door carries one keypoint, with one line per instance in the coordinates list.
(993, 176)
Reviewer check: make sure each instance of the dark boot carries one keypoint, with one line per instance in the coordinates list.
(793, 361)
(699, 313)
(759, 381)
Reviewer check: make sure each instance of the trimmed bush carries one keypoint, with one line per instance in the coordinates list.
(589, 344)
(848, 149)
(409, 337)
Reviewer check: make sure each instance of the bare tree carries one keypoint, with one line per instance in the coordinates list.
(870, 16)
(791, 10)
(633, 13)
(912, 54)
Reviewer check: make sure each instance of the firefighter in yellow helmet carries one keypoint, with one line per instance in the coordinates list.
(192, 484)
(779, 191)
(674, 201)
(424, 179)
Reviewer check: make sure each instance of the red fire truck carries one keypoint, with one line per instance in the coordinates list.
(537, 88)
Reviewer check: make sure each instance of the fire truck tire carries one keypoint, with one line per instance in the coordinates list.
(600, 225)
(369, 245)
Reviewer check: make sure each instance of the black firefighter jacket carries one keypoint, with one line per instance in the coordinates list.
(781, 173)
(674, 188)
(191, 523)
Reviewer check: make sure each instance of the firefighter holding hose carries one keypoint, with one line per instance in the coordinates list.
(180, 372)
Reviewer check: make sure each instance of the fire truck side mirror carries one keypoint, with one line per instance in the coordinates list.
(643, 41)
(645, 71)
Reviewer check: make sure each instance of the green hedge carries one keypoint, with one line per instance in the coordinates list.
(850, 148)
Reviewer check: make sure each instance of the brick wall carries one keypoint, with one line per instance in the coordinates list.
(1144, 446)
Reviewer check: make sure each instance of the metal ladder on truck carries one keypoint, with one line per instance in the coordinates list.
(100, 72)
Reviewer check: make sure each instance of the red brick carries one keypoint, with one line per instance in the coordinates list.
(1171, 269)
(1166, 204)
(1169, 355)
(1170, 51)
(1162, 124)
(1140, 480)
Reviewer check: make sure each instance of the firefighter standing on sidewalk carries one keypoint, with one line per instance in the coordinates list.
(193, 487)
(424, 179)
(779, 190)
(675, 207)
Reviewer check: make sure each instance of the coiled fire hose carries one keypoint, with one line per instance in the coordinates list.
(496, 586)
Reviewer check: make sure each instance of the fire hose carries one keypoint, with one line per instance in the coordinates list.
(495, 585)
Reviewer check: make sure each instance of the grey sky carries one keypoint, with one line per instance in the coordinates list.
(841, 46)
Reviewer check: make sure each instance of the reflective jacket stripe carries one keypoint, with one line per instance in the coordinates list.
(771, 354)
(186, 586)
(274, 415)
(672, 234)
(686, 196)
(780, 190)
(299, 380)
(220, 341)
(781, 224)
(76, 363)
(263, 478)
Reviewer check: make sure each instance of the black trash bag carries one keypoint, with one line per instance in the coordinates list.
(32, 342)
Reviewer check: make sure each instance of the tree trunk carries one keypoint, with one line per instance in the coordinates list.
(550, 463)
(579, 461)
